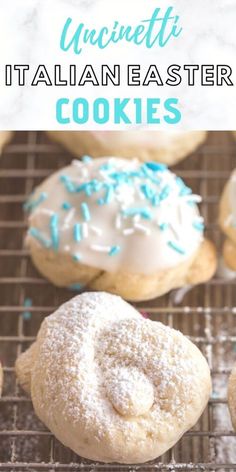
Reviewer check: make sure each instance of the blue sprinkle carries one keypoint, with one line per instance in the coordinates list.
(76, 287)
(85, 211)
(77, 257)
(101, 201)
(40, 238)
(81, 187)
(109, 194)
(176, 248)
(119, 177)
(198, 226)
(88, 190)
(70, 187)
(143, 212)
(165, 192)
(156, 200)
(77, 232)
(106, 166)
(27, 314)
(86, 159)
(135, 174)
(114, 250)
(180, 182)
(96, 185)
(156, 167)
(185, 191)
(214, 395)
(147, 191)
(66, 206)
(32, 204)
(54, 231)
(163, 226)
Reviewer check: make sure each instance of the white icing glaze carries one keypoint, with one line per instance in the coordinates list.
(145, 245)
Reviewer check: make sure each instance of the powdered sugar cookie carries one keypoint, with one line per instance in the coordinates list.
(111, 385)
(119, 226)
(160, 146)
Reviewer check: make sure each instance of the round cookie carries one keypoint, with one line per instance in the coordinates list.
(227, 220)
(111, 385)
(159, 146)
(232, 396)
(5, 137)
(119, 226)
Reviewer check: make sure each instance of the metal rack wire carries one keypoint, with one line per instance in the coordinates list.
(207, 314)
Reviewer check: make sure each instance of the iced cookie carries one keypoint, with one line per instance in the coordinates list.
(119, 226)
(160, 146)
(228, 221)
(111, 385)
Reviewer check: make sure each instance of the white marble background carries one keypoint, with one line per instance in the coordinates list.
(30, 34)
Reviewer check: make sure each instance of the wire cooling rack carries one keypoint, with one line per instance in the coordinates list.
(207, 314)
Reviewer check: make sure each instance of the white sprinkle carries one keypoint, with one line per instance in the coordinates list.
(200, 219)
(141, 195)
(98, 248)
(69, 217)
(118, 222)
(105, 176)
(136, 218)
(142, 229)
(84, 172)
(39, 212)
(180, 213)
(85, 230)
(174, 231)
(67, 248)
(77, 163)
(229, 220)
(192, 198)
(96, 230)
(128, 231)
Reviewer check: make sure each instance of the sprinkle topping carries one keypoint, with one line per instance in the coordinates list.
(112, 213)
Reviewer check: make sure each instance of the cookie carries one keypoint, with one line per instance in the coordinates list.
(111, 385)
(227, 220)
(159, 146)
(119, 226)
(5, 137)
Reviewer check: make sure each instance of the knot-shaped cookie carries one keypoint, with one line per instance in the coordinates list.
(111, 385)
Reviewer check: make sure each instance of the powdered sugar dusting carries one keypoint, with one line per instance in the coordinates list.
(103, 368)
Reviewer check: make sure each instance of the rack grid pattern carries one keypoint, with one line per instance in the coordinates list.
(207, 314)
